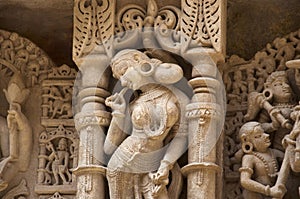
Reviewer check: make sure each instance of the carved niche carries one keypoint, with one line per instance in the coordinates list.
(23, 66)
(49, 105)
(242, 77)
(58, 144)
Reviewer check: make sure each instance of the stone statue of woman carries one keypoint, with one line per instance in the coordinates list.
(15, 133)
(142, 157)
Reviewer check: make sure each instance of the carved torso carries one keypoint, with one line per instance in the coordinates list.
(153, 114)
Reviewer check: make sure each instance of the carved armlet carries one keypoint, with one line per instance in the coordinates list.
(246, 169)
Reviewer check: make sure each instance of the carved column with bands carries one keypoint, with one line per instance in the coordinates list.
(91, 53)
(203, 45)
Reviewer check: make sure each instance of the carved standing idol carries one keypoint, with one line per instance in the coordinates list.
(144, 157)
(17, 132)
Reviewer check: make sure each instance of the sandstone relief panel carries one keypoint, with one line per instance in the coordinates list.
(37, 98)
(262, 121)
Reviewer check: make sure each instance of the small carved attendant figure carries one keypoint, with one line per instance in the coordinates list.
(140, 162)
(60, 161)
(259, 164)
(277, 104)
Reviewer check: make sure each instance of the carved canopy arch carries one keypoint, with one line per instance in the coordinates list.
(18, 54)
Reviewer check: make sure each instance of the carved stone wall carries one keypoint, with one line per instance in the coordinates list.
(241, 77)
(48, 108)
(49, 112)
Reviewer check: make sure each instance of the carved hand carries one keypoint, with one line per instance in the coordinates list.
(278, 191)
(161, 177)
(116, 102)
(18, 117)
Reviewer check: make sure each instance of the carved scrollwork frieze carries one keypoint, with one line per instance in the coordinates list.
(94, 23)
(201, 23)
(99, 30)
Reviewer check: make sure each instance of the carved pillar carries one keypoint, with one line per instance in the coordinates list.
(203, 45)
(91, 53)
(90, 124)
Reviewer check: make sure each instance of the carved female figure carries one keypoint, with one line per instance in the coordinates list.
(142, 158)
(15, 133)
(277, 104)
(259, 164)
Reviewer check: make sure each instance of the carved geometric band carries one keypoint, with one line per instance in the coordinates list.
(99, 117)
(196, 110)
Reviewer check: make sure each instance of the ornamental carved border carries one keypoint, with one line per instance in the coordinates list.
(99, 29)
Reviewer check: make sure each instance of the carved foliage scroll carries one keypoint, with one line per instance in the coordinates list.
(98, 30)
(93, 27)
(201, 23)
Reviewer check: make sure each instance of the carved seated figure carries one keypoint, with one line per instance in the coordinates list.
(259, 163)
(143, 157)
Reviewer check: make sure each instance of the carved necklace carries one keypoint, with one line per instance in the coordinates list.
(152, 94)
(266, 165)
